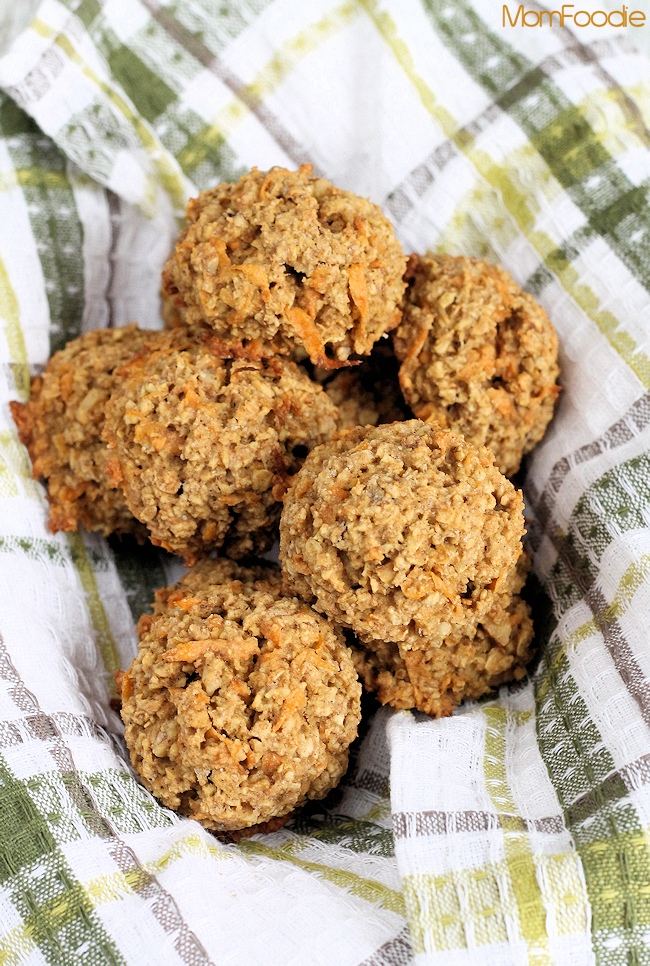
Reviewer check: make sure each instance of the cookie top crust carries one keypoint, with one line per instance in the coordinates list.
(288, 260)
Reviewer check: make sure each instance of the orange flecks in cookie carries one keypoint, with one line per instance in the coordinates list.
(241, 707)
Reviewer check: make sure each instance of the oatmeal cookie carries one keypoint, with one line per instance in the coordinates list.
(479, 355)
(202, 445)
(61, 426)
(241, 703)
(368, 394)
(400, 532)
(235, 581)
(474, 659)
(286, 260)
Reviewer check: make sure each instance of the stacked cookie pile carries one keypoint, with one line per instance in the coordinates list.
(272, 403)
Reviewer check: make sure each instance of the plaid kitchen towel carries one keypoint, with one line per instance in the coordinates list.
(515, 832)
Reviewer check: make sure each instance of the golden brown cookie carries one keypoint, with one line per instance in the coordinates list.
(61, 426)
(285, 260)
(241, 703)
(479, 355)
(400, 532)
(202, 445)
(236, 582)
(475, 658)
(368, 394)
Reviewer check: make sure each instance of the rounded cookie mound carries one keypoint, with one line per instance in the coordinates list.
(400, 531)
(474, 659)
(290, 260)
(479, 355)
(241, 704)
(202, 445)
(61, 426)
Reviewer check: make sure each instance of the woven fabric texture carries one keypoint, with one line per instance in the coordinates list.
(514, 832)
